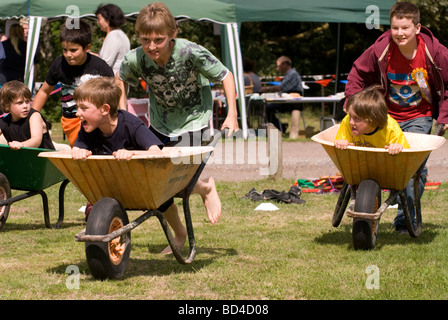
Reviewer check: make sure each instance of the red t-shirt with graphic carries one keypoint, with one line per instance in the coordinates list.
(405, 99)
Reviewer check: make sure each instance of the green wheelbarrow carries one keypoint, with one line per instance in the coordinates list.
(24, 170)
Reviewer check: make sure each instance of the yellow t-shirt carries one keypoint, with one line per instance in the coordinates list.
(391, 133)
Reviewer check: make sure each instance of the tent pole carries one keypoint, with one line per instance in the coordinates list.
(338, 62)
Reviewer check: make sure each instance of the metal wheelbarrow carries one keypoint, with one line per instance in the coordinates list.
(143, 183)
(24, 170)
(366, 172)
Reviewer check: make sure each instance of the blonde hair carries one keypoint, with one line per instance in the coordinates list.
(12, 90)
(16, 35)
(370, 106)
(100, 91)
(157, 18)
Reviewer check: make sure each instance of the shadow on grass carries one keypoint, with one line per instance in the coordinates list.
(386, 236)
(163, 265)
(25, 226)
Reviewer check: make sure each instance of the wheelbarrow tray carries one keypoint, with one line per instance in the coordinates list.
(390, 172)
(26, 171)
(144, 182)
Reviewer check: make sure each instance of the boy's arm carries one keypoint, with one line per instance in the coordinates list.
(42, 96)
(342, 144)
(36, 130)
(124, 90)
(80, 154)
(394, 148)
(231, 120)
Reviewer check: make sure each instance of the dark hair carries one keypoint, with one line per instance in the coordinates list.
(12, 90)
(81, 35)
(248, 65)
(112, 13)
(406, 10)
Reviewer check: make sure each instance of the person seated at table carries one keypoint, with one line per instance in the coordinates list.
(22, 126)
(368, 124)
(291, 83)
(251, 79)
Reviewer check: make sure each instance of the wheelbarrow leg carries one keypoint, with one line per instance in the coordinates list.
(185, 195)
(61, 203)
(46, 210)
(414, 230)
(176, 251)
(347, 193)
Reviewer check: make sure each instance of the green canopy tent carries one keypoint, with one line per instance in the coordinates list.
(229, 13)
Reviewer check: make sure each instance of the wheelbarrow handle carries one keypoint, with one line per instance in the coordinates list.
(217, 136)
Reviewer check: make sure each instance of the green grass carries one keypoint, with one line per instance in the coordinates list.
(290, 254)
(293, 253)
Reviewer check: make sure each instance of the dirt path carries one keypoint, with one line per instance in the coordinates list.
(301, 160)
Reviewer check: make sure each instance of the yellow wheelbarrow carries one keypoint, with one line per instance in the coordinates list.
(366, 172)
(143, 183)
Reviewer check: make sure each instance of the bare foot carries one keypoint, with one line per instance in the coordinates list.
(210, 197)
(179, 241)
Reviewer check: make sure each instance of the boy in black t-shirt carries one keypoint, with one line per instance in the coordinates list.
(75, 66)
(106, 129)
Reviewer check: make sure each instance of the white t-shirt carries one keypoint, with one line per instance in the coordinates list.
(114, 48)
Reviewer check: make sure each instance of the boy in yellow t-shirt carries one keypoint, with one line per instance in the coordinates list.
(368, 124)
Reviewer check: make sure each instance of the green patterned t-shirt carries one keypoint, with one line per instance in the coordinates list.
(180, 94)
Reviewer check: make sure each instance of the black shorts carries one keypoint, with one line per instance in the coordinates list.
(189, 139)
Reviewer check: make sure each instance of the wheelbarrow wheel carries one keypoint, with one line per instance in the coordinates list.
(108, 259)
(368, 200)
(5, 193)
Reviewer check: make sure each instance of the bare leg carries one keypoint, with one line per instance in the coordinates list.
(180, 232)
(207, 189)
(295, 119)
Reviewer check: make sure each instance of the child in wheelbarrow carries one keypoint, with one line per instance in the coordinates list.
(106, 129)
(368, 124)
(22, 126)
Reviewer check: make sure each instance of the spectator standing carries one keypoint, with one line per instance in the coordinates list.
(13, 66)
(116, 43)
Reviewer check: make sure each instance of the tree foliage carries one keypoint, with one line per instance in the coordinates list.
(311, 46)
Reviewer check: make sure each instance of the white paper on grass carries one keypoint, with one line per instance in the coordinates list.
(267, 206)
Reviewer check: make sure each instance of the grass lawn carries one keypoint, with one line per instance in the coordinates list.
(290, 254)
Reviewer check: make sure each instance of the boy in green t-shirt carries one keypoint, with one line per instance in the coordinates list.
(178, 73)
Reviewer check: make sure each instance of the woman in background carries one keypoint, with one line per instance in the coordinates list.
(116, 43)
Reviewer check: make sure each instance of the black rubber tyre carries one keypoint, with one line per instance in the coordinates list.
(5, 193)
(368, 200)
(108, 260)
(341, 206)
